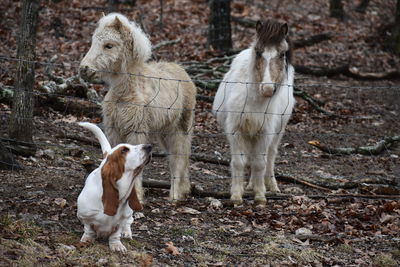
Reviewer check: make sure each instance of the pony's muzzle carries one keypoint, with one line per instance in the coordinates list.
(267, 90)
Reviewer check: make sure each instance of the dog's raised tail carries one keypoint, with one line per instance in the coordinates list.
(105, 145)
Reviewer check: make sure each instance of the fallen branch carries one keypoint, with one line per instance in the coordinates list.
(313, 102)
(7, 161)
(376, 149)
(17, 147)
(72, 105)
(200, 157)
(165, 43)
(197, 191)
(291, 179)
(348, 71)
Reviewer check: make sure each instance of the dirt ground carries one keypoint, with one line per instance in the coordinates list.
(38, 223)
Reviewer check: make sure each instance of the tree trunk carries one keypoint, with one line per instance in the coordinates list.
(336, 9)
(111, 6)
(362, 7)
(219, 28)
(21, 120)
(395, 40)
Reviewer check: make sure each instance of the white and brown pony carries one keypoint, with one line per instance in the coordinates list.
(253, 104)
(147, 101)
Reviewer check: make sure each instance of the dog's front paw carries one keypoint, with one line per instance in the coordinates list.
(117, 246)
(87, 238)
(127, 232)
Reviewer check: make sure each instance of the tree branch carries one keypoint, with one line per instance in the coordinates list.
(364, 150)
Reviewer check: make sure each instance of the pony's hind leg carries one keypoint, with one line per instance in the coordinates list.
(272, 151)
(177, 146)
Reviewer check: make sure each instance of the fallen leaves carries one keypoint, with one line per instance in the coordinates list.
(172, 249)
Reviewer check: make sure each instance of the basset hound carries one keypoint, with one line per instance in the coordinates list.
(107, 201)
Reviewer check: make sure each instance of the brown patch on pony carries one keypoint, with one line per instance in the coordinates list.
(134, 202)
(110, 173)
(259, 68)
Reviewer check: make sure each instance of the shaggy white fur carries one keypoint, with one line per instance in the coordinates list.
(139, 108)
(254, 117)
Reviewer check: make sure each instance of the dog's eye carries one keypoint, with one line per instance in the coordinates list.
(125, 150)
(108, 46)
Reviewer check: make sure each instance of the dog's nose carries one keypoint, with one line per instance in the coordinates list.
(147, 148)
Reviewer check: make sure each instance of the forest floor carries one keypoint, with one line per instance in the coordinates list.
(307, 227)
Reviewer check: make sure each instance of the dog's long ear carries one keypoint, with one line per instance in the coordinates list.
(111, 172)
(134, 202)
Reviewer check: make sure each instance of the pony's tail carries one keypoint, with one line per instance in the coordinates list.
(105, 145)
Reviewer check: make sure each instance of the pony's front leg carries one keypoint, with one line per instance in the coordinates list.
(178, 149)
(114, 241)
(272, 151)
(89, 235)
(257, 169)
(238, 164)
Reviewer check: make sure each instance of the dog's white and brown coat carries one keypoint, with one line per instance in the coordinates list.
(107, 201)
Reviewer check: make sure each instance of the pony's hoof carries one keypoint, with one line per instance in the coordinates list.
(236, 201)
(260, 202)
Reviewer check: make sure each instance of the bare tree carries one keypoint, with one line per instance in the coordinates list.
(395, 39)
(219, 29)
(336, 9)
(21, 120)
(362, 7)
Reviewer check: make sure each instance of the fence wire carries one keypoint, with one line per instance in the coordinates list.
(222, 155)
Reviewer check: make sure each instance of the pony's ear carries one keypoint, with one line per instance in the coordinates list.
(103, 14)
(259, 26)
(285, 29)
(111, 172)
(117, 24)
(134, 202)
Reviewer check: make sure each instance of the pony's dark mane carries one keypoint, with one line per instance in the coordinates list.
(272, 33)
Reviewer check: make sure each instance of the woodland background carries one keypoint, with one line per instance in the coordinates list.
(338, 165)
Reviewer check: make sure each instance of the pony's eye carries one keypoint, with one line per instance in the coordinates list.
(258, 53)
(125, 150)
(108, 46)
(281, 55)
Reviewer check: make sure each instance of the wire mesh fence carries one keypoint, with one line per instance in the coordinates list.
(366, 115)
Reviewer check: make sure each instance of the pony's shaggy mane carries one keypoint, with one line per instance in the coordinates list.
(270, 33)
(142, 44)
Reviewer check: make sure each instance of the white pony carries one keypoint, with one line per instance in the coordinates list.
(253, 104)
(147, 101)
